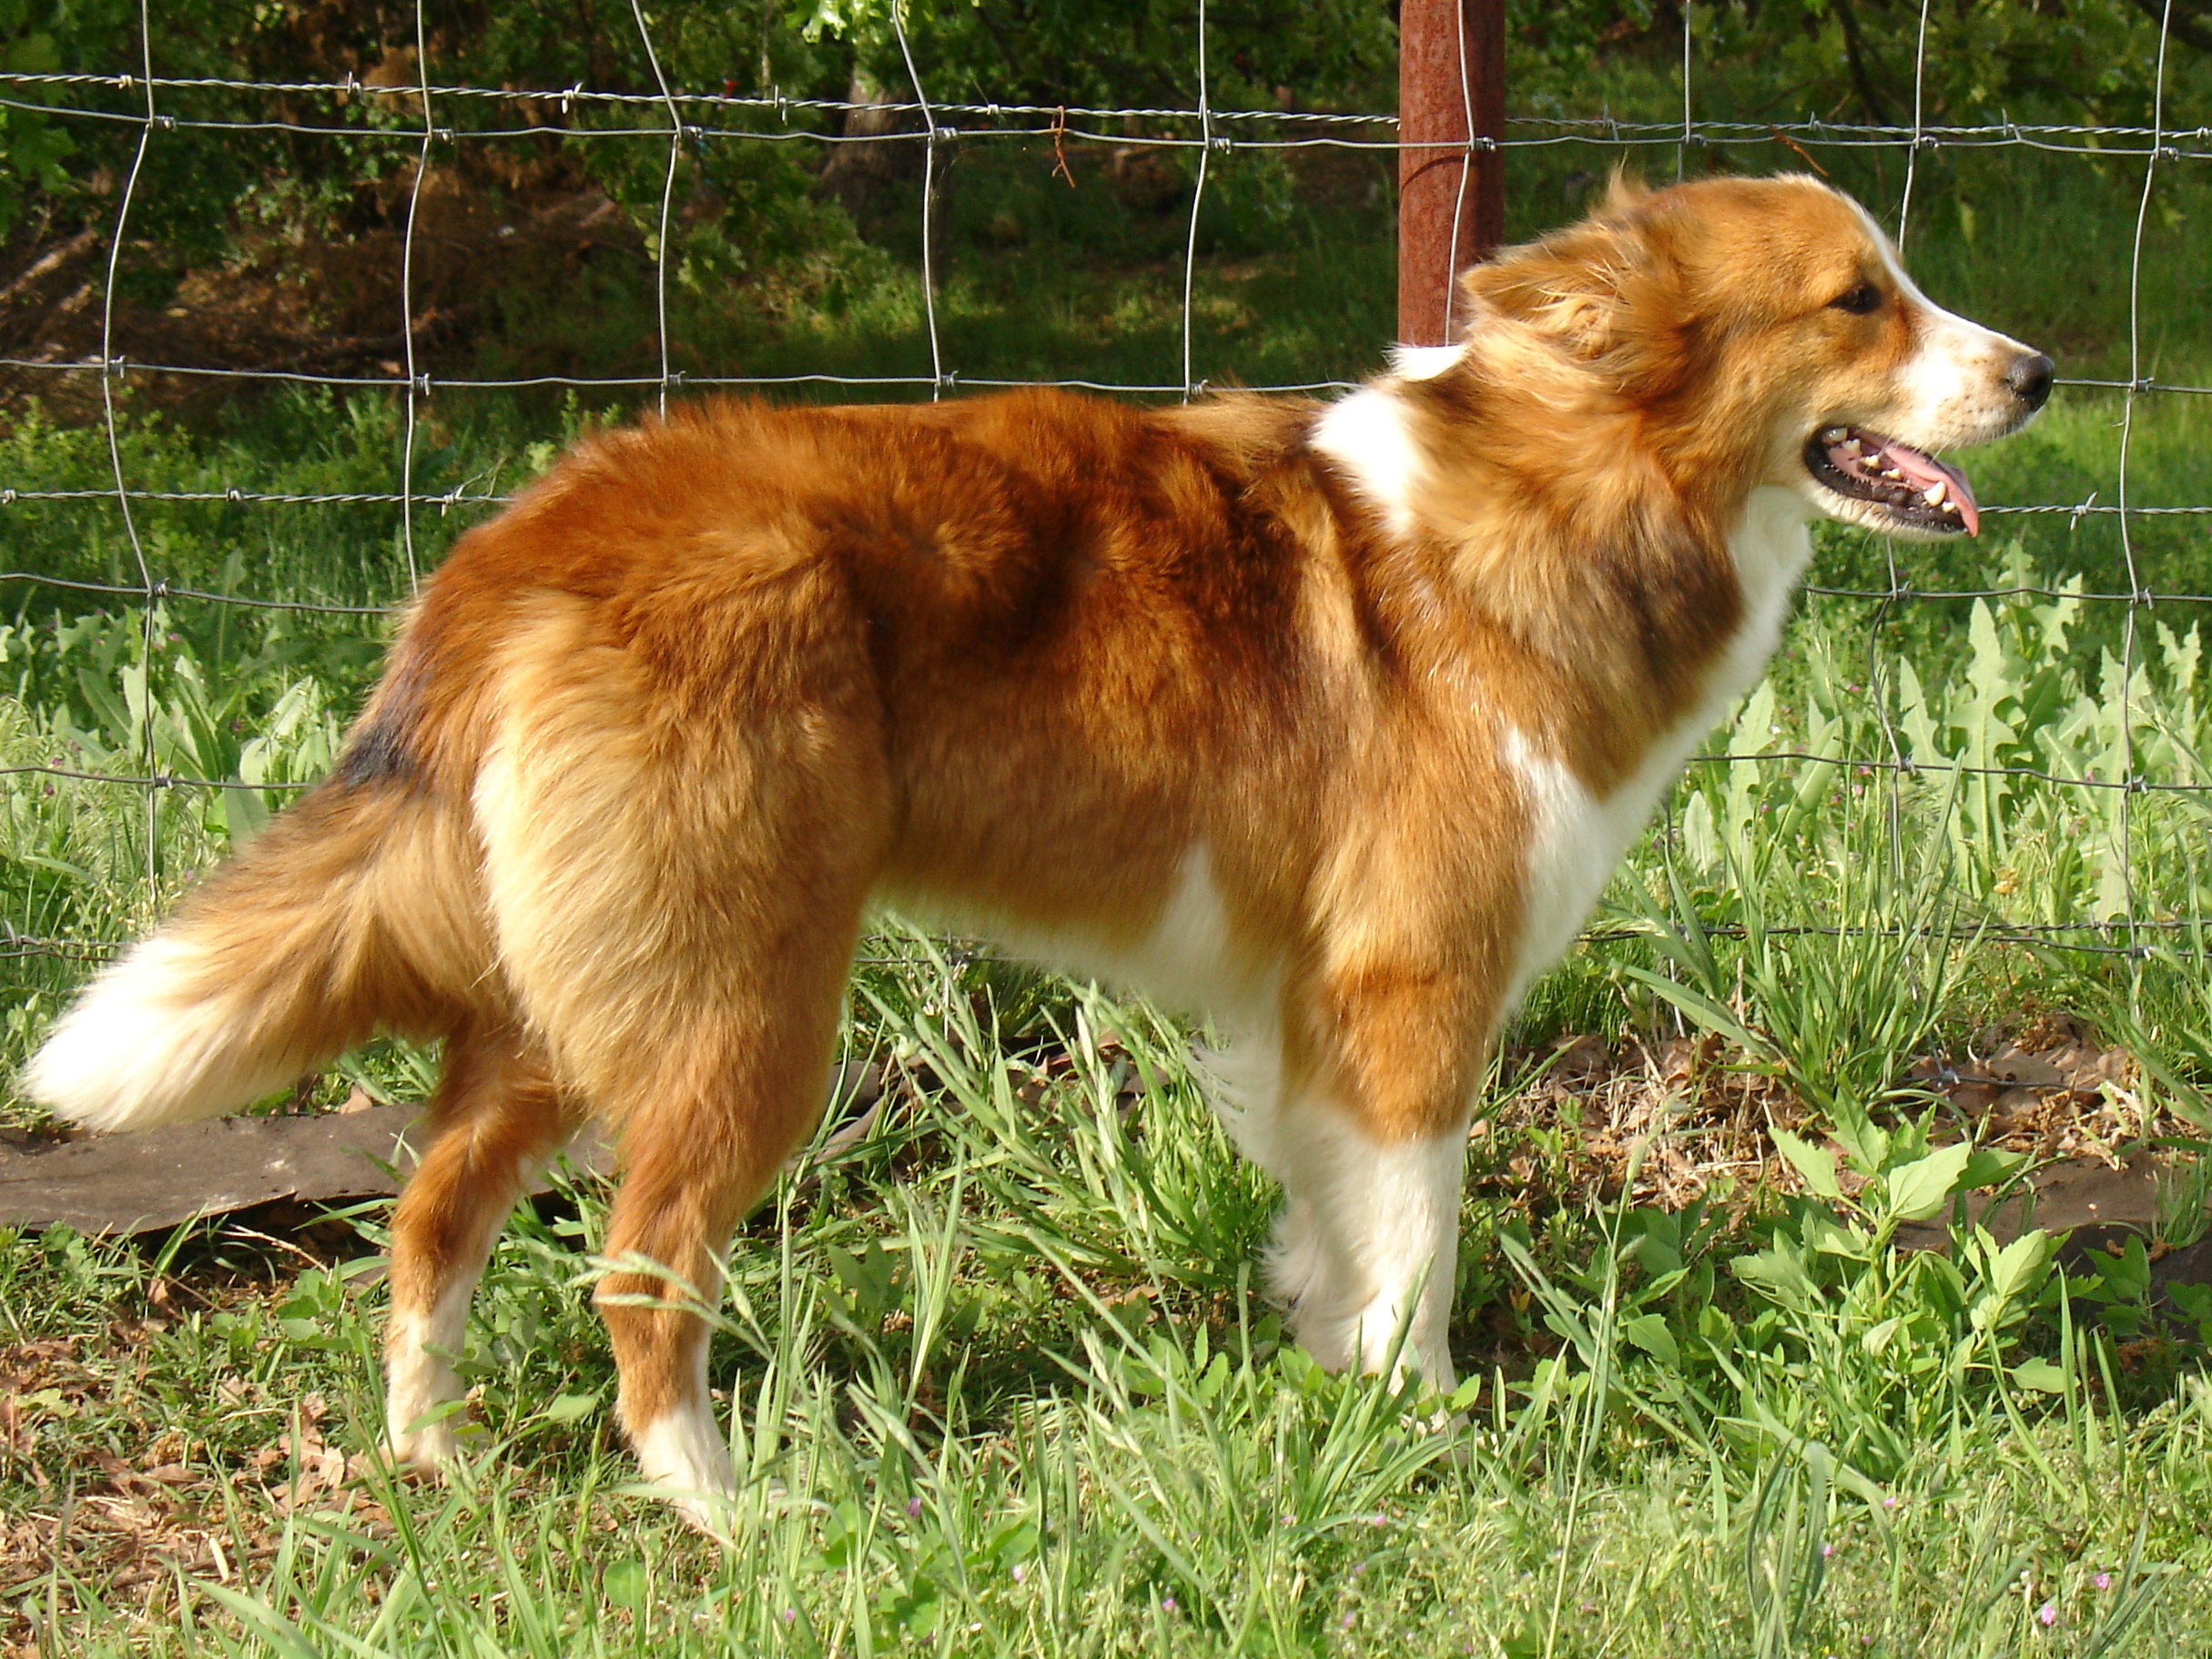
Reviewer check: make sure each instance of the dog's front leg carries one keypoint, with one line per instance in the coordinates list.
(1368, 1241)
(1369, 1140)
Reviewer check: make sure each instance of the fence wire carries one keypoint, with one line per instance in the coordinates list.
(451, 116)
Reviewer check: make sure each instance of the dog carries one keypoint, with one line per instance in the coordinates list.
(1329, 718)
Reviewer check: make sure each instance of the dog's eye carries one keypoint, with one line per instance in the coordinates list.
(1860, 300)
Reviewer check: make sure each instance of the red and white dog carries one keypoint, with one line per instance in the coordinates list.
(1331, 719)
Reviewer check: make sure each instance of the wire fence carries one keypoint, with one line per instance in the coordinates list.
(429, 119)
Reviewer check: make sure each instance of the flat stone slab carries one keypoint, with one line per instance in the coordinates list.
(2081, 1195)
(154, 1179)
(157, 1178)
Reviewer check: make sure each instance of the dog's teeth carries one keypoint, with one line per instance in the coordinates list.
(1933, 494)
(1852, 448)
(1837, 434)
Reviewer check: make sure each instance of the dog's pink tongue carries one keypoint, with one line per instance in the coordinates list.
(1925, 470)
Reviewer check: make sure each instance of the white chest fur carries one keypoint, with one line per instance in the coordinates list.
(1577, 838)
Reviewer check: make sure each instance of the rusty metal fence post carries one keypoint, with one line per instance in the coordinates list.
(1451, 169)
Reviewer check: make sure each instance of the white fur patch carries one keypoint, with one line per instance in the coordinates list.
(1186, 959)
(683, 1454)
(1366, 435)
(1243, 1074)
(148, 1043)
(1577, 839)
(418, 1381)
(1425, 362)
(1770, 546)
(1368, 1241)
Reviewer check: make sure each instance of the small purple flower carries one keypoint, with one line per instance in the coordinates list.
(1347, 1621)
(913, 1509)
(1827, 1549)
(2048, 1613)
(790, 1615)
(2102, 1581)
(1022, 1572)
(1890, 1502)
(1167, 1604)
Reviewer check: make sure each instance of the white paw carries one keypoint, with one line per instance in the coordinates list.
(683, 1456)
(428, 1447)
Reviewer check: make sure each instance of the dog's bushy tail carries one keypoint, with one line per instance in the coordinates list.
(347, 915)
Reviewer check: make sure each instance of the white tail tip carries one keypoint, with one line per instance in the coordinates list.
(148, 1043)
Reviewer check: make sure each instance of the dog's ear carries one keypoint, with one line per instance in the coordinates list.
(1592, 290)
(1575, 286)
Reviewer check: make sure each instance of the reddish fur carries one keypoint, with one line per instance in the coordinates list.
(495, 1118)
(652, 738)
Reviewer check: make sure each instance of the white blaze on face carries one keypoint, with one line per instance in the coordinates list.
(1952, 391)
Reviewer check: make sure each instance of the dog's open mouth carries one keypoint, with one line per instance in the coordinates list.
(1916, 490)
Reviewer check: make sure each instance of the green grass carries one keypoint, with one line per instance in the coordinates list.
(997, 1383)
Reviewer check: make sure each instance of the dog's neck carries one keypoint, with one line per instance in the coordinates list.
(1520, 516)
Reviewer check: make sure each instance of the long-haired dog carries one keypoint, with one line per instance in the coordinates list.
(1330, 718)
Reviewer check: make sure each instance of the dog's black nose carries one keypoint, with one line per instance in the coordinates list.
(2030, 379)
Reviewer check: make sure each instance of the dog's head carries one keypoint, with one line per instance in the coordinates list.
(1766, 333)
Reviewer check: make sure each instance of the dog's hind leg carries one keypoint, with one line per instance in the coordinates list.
(722, 1116)
(495, 1120)
(675, 868)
